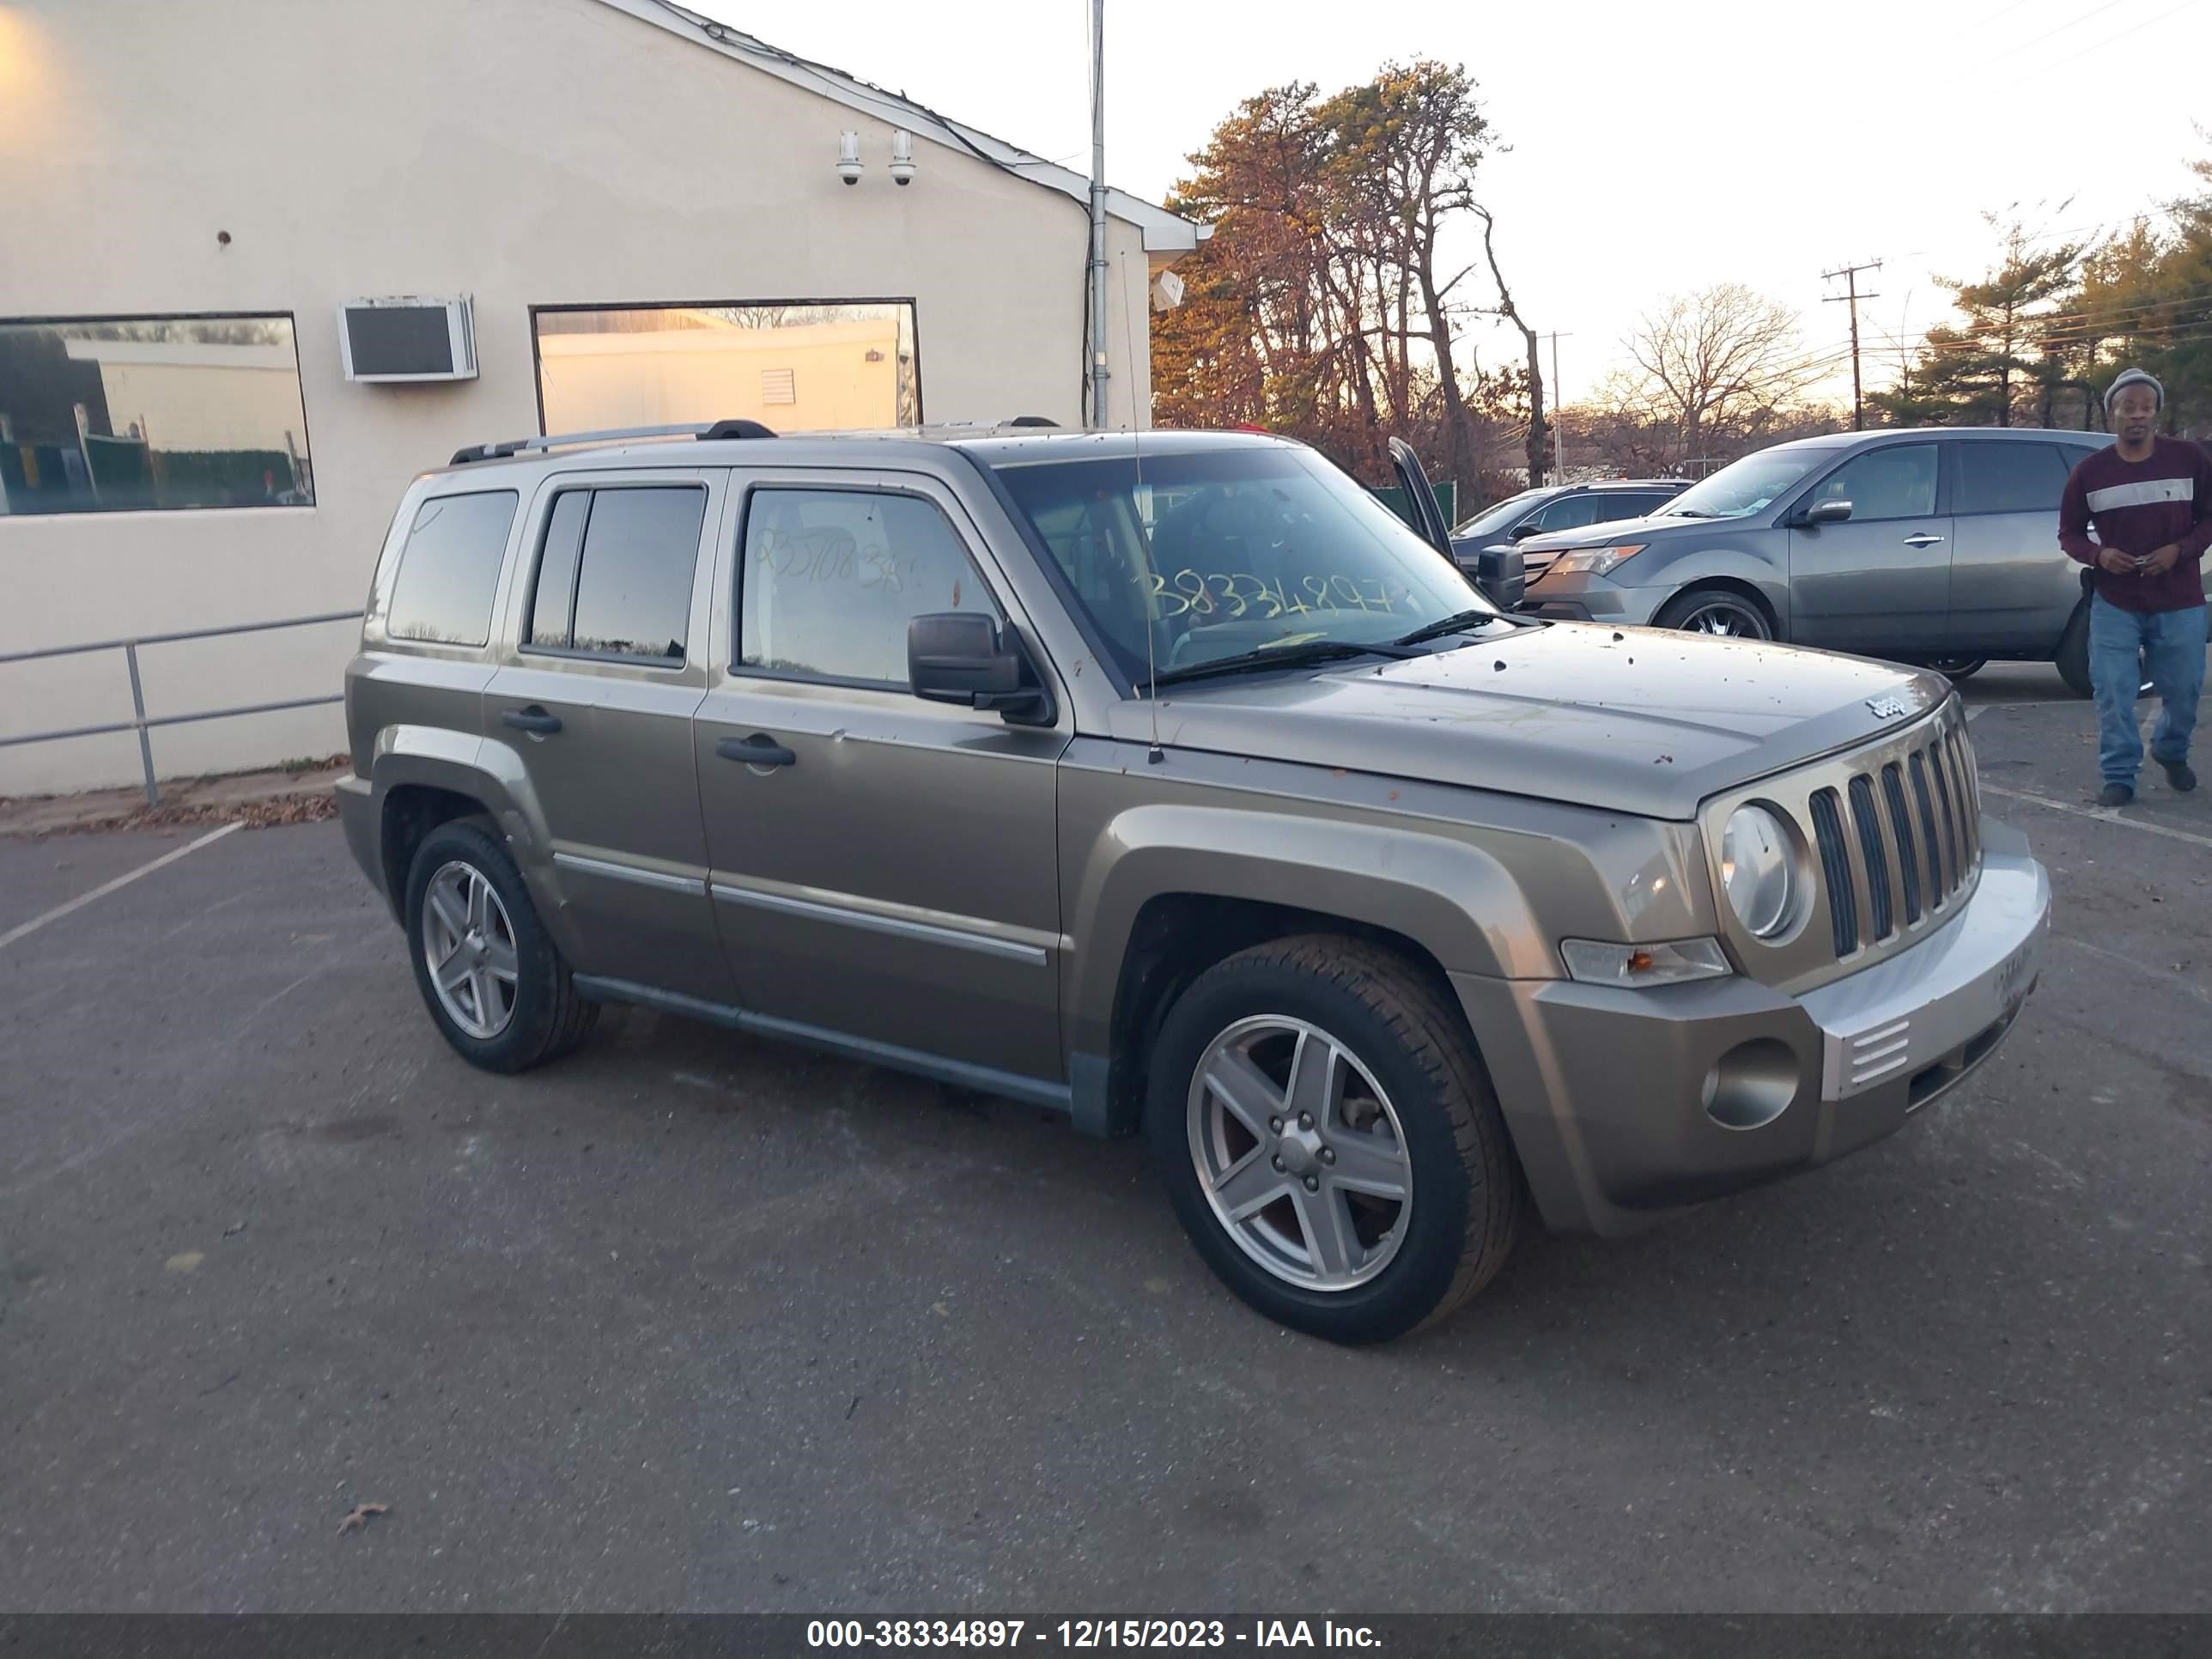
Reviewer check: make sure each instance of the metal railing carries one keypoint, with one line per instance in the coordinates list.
(139, 722)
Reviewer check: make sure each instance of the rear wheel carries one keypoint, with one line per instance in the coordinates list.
(1718, 611)
(493, 979)
(1958, 668)
(1325, 1129)
(2072, 656)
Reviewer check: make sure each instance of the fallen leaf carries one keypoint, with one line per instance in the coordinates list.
(234, 1229)
(359, 1518)
(184, 1260)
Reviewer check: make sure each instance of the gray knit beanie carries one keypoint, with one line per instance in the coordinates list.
(2133, 377)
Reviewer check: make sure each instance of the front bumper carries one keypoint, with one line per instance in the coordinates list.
(1590, 598)
(1624, 1104)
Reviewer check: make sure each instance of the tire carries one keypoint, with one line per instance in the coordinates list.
(1955, 669)
(1718, 610)
(1413, 1096)
(518, 1007)
(2073, 655)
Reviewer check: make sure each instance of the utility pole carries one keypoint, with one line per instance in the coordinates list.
(1558, 414)
(1097, 344)
(1850, 276)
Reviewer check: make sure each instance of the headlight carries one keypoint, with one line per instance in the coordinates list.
(1593, 560)
(1759, 868)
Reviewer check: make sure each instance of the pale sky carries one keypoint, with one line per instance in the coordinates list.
(1655, 149)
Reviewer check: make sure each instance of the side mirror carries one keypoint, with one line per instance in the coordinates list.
(1827, 513)
(1503, 575)
(1522, 531)
(961, 656)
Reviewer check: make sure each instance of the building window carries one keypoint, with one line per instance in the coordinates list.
(799, 368)
(123, 414)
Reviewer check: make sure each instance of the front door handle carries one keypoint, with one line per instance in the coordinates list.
(758, 749)
(1921, 540)
(532, 719)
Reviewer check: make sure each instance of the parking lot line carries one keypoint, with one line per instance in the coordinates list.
(2099, 814)
(107, 887)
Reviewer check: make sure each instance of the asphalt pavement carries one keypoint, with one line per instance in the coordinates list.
(691, 1322)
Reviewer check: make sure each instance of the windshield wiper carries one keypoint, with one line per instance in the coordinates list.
(1287, 656)
(1460, 622)
(1685, 513)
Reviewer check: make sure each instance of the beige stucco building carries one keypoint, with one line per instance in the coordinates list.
(643, 210)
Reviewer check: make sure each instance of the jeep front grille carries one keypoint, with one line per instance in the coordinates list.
(1890, 844)
(1912, 873)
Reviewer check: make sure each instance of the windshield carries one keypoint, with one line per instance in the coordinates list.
(1742, 488)
(1497, 520)
(1232, 551)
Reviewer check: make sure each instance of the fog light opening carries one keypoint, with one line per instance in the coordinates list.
(1751, 1085)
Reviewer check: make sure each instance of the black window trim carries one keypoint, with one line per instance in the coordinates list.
(561, 486)
(1957, 469)
(299, 378)
(506, 553)
(738, 668)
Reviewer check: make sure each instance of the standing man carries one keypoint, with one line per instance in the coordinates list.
(2151, 499)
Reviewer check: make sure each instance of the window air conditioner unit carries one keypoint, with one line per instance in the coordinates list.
(408, 339)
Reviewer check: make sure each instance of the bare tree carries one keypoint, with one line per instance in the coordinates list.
(1506, 308)
(1718, 363)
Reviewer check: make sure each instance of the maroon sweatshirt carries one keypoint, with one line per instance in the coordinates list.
(2139, 507)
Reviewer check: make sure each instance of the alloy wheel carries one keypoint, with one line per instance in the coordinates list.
(469, 943)
(1299, 1153)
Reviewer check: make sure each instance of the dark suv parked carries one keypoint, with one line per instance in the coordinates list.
(1560, 506)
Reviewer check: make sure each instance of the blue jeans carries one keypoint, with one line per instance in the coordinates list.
(2126, 647)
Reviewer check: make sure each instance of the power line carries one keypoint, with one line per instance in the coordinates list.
(2061, 29)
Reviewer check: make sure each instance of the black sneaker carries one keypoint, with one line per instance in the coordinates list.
(2178, 774)
(2116, 794)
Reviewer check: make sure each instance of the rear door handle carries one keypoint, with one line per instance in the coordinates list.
(532, 719)
(758, 749)
(1922, 541)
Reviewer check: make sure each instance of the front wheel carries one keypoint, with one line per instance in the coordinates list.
(1328, 1137)
(1717, 610)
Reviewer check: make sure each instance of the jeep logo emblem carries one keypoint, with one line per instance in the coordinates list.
(1887, 708)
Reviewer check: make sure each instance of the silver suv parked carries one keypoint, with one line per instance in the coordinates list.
(1176, 785)
(1937, 546)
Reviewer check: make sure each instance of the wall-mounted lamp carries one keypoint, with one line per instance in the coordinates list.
(902, 157)
(848, 157)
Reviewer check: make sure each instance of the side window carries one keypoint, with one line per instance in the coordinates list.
(833, 576)
(449, 568)
(2075, 454)
(614, 577)
(1577, 510)
(1896, 482)
(1641, 505)
(2000, 476)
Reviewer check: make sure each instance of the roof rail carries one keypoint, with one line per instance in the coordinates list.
(561, 440)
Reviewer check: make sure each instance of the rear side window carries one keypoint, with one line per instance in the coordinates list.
(2002, 476)
(449, 568)
(615, 572)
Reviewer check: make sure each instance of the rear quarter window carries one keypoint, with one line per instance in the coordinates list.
(449, 568)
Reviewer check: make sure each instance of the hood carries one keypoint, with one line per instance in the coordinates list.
(1553, 543)
(1640, 720)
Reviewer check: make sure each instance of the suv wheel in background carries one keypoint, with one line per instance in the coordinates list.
(1958, 668)
(1328, 1137)
(494, 981)
(1715, 610)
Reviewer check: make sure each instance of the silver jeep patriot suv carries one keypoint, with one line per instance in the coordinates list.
(1173, 783)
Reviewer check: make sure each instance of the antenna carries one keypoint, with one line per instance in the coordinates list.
(1156, 755)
